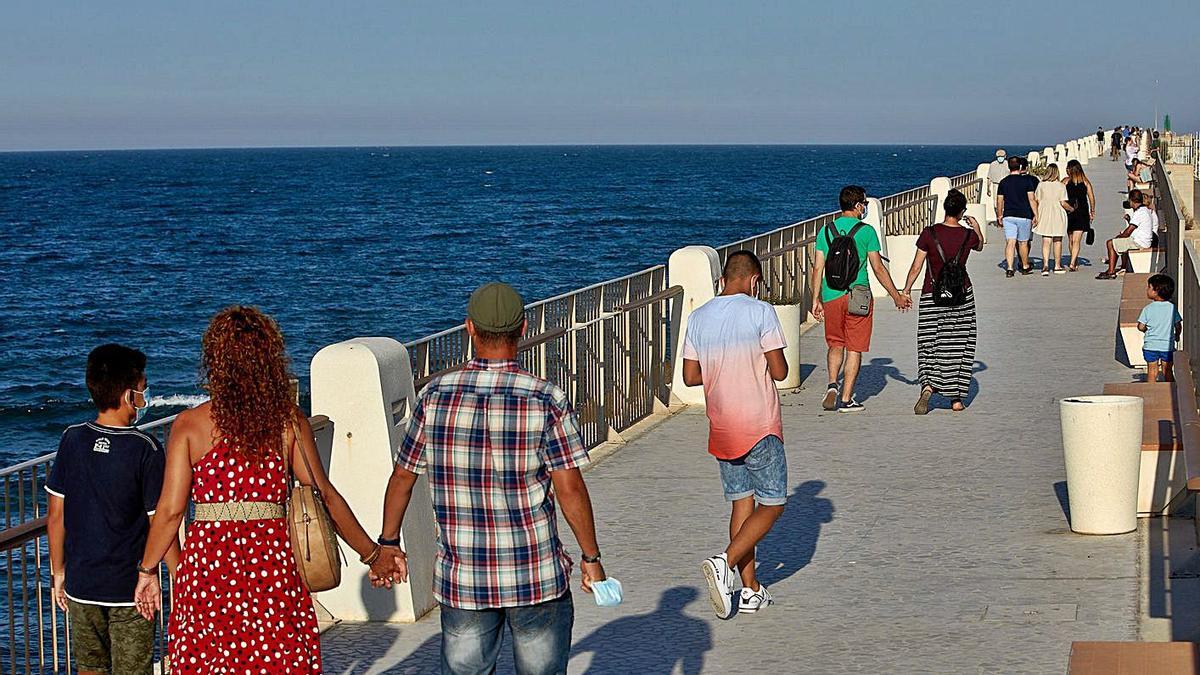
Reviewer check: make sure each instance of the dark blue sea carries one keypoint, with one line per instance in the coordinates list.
(142, 247)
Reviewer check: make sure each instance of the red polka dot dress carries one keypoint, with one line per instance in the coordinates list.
(238, 603)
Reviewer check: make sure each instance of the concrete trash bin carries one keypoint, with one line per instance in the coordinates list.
(1102, 447)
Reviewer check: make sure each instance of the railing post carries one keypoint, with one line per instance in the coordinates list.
(874, 219)
(359, 385)
(985, 188)
(940, 187)
(1035, 158)
(696, 269)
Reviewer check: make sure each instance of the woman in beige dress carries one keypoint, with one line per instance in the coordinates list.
(1051, 220)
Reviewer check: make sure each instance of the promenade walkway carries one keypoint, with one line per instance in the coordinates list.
(910, 544)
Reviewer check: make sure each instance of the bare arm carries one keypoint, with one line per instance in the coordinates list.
(576, 506)
(57, 535)
(172, 501)
(1091, 198)
(1033, 203)
(914, 271)
(999, 208)
(814, 282)
(885, 277)
(777, 365)
(1143, 327)
(691, 373)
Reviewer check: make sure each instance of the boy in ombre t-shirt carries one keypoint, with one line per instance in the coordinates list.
(734, 347)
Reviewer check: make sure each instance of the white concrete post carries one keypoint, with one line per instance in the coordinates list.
(1060, 154)
(1144, 145)
(874, 214)
(697, 269)
(980, 213)
(1034, 157)
(940, 187)
(365, 387)
(985, 191)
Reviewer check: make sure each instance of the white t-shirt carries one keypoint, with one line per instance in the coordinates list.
(998, 171)
(1131, 152)
(1143, 219)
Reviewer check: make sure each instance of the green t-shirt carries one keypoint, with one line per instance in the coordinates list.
(865, 240)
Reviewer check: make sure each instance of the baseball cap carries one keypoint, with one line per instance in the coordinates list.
(496, 308)
(1001, 152)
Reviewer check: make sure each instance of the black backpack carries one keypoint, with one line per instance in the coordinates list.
(950, 287)
(842, 263)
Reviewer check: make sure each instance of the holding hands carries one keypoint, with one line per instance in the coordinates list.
(390, 567)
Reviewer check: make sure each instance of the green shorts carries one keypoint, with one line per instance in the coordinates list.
(111, 639)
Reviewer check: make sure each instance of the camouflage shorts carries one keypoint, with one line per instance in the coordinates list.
(111, 639)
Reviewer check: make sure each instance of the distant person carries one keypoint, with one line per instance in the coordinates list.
(1138, 234)
(1083, 210)
(1140, 175)
(1114, 141)
(1052, 208)
(848, 327)
(102, 489)
(1016, 205)
(1161, 323)
(500, 447)
(946, 329)
(1131, 152)
(997, 171)
(1099, 139)
(238, 603)
(734, 347)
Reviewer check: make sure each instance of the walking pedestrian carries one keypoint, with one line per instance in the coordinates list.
(1114, 141)
(997, 171)
(734, 347)
(1082, 212)
(499, 445)
(946, 325)
(845, 303)
(1051, 219)
(1016, 208)
(1099, 140)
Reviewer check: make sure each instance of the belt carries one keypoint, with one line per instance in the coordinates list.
(238, 511)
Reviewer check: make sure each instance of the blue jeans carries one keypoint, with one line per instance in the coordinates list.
(761, 473)
(541, 637)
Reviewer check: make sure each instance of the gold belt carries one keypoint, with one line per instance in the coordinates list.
(238, 510)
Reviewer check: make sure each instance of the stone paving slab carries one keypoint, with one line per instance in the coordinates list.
(909, 544)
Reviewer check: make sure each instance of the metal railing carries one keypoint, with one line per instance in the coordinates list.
(970, 185)
(909, 215)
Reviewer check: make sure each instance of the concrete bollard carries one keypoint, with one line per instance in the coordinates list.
(874, 214)
(1035, 158)
(939, 187)
(1060, 154)
(979, 212)
(1102, 448)
(902, 248)
(697, 269)
(985, 187)
(365, 387)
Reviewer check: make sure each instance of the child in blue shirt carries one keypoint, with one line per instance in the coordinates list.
(1161, 323)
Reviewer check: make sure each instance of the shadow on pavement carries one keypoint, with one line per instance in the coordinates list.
(651, 643)
(873, 377)
(1060, 491)
(791, 544)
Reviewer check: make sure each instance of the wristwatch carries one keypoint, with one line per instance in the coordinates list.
(590, 558)
(149, 571)
(387, 542)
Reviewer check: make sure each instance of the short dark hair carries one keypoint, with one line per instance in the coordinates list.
(851, 196)
(1136, 197)
(955, 203)
(1163, 285)
(111, 370)
(511, 337)
(1024, 163)
(1014, 163)
(742, 264)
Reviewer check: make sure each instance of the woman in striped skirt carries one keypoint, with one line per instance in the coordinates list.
(945, 334)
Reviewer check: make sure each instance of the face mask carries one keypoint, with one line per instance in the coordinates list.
(864, 215)
(608, 593)
(139, 413)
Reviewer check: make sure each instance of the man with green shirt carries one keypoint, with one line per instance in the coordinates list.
(847, 334)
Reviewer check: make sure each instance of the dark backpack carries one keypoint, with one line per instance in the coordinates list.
(950, 287)
(842, 263)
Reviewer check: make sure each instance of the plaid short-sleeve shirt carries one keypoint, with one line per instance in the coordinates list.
(489, 435)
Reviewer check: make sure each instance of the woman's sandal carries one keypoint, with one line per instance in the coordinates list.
(957, 405)
(1106, 275)
(922, 406)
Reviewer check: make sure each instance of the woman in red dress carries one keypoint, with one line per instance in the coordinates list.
(239, 605)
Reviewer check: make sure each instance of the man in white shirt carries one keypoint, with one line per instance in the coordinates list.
(1138, 234)
(998, 170)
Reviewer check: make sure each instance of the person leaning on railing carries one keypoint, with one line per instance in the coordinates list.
(238, 603)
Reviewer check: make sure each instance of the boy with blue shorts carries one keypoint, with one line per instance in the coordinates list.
(1015, 209)
(734, 347)
(1161, 323)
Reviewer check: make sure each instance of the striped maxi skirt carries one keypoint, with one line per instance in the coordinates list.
(946, 346)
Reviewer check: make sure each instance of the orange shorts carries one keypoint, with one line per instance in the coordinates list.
(845, 330)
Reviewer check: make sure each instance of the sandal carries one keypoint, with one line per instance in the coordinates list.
(922, 406)
(957, 405)
(1106, 275)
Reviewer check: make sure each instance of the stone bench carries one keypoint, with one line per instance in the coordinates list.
(1127, 330)
(1145, 260)
(1163, 476)
(1134, 658)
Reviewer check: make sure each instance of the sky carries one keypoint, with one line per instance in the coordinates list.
(166, 74)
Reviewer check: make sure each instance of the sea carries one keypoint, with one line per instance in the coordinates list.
(143, 247)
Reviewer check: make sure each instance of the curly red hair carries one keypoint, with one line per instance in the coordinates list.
(245, 369)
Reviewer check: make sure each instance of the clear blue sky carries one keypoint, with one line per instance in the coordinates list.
(214, 73)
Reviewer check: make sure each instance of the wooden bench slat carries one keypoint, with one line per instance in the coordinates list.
(1160, 420)
(1134, 658)
(1133, 286)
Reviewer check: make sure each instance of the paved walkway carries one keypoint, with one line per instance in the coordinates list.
(910, 544)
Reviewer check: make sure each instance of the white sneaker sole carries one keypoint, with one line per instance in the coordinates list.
(718, 595)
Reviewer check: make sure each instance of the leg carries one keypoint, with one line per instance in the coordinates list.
(470, 640)
(1010, 252)
(1168, 372)
(1075, 245)
(1058, 253)
(541, 636)
(1023, 249)
(742, 510)
(833, 361)
(1152, 371)
(1046, 253)
(766, 466)
(89, 638)
(850, 374)
(132, 641)
(1112, 257)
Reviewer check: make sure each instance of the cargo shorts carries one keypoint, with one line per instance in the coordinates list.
(114, 640)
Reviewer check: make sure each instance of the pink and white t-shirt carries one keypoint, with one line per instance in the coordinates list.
(730, 336)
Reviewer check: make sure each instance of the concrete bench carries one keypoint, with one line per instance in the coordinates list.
(1131, 338)
(1134, 658)
(1163, 468)
(1144, 260)
(1133, 286)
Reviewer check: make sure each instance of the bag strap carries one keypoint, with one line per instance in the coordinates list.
(938, 243)
(303, 457)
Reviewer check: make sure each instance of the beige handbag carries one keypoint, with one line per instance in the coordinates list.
(314, 541)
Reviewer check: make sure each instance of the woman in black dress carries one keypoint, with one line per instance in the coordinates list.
(1080, 217)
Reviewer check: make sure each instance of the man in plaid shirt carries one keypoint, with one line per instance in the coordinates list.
(499, 445)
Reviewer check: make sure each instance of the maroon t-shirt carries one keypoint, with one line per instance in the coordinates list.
(951, 239)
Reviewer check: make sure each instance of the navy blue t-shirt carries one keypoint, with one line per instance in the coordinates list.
(109, 479)
(1015, 189)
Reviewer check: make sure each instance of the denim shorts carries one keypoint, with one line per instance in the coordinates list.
(762, 472)
(1020, 229)
(1152, 355)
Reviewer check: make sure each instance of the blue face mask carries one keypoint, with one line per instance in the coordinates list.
(864, 215)
(139, 413)
(608, 593)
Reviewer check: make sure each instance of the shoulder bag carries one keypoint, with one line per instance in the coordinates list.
(314, 541)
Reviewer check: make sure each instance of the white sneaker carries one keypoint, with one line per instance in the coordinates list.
(720, 585)
(751, 601)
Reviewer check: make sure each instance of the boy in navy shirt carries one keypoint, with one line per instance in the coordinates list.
(1161, 323)
(103, 490)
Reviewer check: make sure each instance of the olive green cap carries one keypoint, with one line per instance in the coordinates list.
(496, 308)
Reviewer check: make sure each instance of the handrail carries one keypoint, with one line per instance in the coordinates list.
(523, 345)
(19, 534)
(667, 294)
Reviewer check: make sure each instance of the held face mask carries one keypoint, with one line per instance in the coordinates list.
(608, 593)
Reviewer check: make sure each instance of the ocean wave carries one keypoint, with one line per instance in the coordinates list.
(189, 400)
